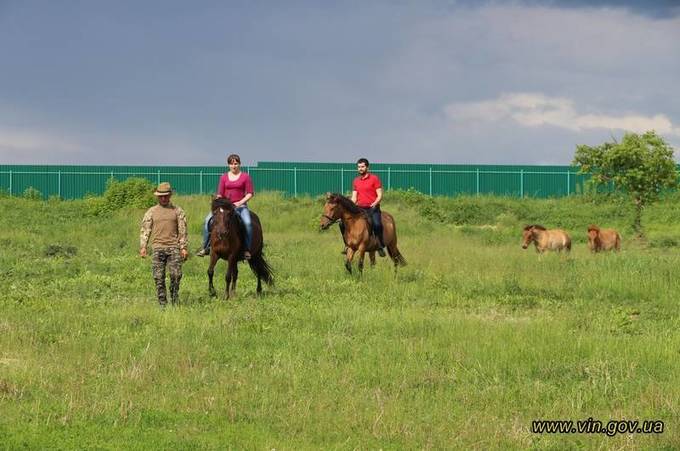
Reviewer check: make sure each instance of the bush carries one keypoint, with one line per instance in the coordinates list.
(134, 192)
(32, 194)
(410, 196)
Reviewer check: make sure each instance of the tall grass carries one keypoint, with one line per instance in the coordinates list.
(463, 349)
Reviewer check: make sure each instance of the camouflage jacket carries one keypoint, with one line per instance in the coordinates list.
(166, 226)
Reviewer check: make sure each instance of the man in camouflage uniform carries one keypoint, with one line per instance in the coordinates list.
(166, 224)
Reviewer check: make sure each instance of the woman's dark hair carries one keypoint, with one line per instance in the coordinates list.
(233, 157)
(362, 160)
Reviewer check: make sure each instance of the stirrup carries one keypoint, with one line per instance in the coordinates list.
(246, 255)
(381, 251)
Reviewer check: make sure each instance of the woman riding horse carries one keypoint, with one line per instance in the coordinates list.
(228, 241)
(238, 187)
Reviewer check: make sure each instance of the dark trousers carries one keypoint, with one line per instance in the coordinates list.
(376, 218)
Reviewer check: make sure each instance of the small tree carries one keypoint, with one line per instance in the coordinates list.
(640, 166)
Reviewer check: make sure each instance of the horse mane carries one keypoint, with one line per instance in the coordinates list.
(346, 203)
(221, 202)
(593, 227)
(535, 226)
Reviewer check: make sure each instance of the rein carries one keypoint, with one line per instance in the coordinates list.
(332, 221)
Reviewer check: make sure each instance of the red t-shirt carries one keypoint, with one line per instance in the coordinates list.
(237, 189)
(366, 188)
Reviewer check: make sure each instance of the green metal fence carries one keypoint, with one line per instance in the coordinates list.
(71, 182)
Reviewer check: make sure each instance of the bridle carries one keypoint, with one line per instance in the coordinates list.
(330, 222)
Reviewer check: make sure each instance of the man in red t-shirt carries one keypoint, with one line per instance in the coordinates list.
(367, 193)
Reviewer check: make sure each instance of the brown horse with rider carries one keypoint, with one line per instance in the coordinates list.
(358, 234)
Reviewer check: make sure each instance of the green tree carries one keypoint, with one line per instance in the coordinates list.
(642, 166)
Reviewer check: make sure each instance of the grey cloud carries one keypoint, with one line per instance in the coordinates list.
(331, 83)
(658, 9)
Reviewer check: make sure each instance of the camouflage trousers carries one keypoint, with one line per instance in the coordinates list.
(171, 258)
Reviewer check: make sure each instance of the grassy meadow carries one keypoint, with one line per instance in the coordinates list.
(471, 341)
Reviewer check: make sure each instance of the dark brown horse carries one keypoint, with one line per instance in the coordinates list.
(227, 241)
(358, 235)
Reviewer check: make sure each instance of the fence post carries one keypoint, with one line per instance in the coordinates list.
(521, 183)
(159, 176)
(568, 182)
(200, 182)
(295, 182)
(10, 183)
(430, 180)
(342, 180)
(59, 185)
(477, 181)
(389, 178)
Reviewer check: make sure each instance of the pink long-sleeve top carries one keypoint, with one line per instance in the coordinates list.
(237, 189)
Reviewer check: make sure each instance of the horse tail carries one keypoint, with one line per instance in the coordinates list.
(396, 256)
(568, 244)
(261, 268)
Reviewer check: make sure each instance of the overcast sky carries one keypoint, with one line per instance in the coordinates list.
(186, 83)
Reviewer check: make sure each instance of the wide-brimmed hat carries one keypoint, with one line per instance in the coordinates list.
(164, 189)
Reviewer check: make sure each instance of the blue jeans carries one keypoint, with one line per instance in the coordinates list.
(247, 222)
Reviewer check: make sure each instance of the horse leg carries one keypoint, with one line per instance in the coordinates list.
(227, 278)
(348, 259)
(395, 255)
(211, 272)
(234, 277)
(371, 256)
(362, 254)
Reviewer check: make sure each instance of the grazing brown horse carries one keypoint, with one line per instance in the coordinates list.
(358, 235)
(603, 239)
(227, 241)
(545, 240)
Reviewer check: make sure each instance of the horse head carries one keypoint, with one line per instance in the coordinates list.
(331, 211)
(529, 234)
(222, 210)
(594, 241)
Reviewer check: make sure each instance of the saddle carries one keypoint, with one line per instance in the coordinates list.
(371, 225)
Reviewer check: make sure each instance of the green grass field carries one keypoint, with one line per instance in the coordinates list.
(473, 340)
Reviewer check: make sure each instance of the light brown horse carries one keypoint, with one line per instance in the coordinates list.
(545, 240)
(603, 239)
(358, 236)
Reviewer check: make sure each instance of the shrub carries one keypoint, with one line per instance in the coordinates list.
(134, 192)
(410, 196)
(32, 194)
